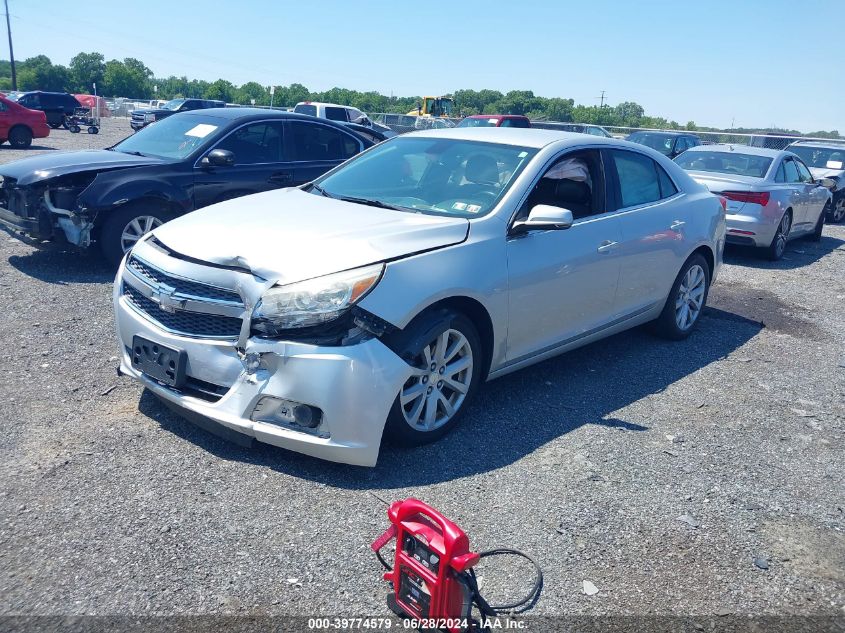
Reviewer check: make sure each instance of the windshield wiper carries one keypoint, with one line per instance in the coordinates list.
(321, 191)
(135, 153)
(372, 203)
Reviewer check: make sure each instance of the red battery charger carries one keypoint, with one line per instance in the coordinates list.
(432, 573)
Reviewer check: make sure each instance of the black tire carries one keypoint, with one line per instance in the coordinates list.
(64, 123)
(816, 235)
(93, 129)
(837, 211)
(74, 129)
(777, 248)
(666, 325)
(111, 236)
(409, 344)
(55, 126)
(20, 137)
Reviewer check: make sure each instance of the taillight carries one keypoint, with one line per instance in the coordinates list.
(724, 201)
(754, 197)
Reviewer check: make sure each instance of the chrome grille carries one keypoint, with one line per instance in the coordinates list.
(182, 321)
(182, 286)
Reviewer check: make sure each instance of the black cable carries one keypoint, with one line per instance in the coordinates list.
(382, 561)
(519, 606)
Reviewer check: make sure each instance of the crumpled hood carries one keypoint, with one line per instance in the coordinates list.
(823, 172)
(52, 164)
(289, 235)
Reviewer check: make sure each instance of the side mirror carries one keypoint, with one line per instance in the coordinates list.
(544, 217)
(827, 183)
(219, 158)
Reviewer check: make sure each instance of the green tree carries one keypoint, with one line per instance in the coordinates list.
(252, 90)
(220, 90)
(129, 78)
(87, 69)
(39, 73)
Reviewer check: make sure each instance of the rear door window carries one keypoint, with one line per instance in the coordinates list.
(638, 178)
(315, 142)
(256, 143)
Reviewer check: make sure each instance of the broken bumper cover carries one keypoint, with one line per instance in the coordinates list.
(353, 386)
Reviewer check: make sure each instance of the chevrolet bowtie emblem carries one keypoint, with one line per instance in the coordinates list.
(164, 296)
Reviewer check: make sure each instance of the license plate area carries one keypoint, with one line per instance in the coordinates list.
(159, 362)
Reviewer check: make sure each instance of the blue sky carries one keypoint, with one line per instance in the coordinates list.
(756, 62)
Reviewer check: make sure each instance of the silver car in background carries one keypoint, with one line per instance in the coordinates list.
(771, 195)
(379, 297)
(826, 159)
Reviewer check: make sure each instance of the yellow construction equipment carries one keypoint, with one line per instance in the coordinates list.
(433, 107)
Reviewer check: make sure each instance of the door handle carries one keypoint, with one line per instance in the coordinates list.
(282, 177)
(606, 246)
(676, 225)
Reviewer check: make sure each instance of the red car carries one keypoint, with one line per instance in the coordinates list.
(495, 120)
(20, 125)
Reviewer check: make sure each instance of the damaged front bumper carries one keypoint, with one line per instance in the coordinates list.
(45, 212)
(241, 381)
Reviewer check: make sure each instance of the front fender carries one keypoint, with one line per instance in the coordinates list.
(116, 188)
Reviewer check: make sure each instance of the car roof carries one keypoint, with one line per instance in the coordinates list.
(739, 149)
(243, 113)
(497, 116)
(323, 103)
(832, 144)
(663, 132)
(522, 137)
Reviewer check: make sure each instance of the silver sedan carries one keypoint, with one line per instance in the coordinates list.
(771, 195)
(378, 298)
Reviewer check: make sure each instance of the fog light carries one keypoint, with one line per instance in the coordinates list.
(289, 414)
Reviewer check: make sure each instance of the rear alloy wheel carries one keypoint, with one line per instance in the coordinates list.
(20, 137)
(816, 235)
(446, 359)
(837, 214)
(778, 246)
(686, 300)
(124, 228)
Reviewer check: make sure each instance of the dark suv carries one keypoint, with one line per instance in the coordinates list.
(56, 105)
(140, 118)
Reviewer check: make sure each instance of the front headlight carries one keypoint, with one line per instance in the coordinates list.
(149, 118)
(317, 300)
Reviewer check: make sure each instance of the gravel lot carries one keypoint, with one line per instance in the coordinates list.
(703, 477)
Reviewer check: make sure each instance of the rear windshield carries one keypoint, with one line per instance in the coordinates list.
(820, 156)
(661, 142)
(725, 163)
(306, 109)
(473, 122)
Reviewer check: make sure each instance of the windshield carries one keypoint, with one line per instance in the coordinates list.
(430, 175)
(660, 142)
(820, 156)
(173, 104)
(176, 136)
(306, 109)
(473, 122)
(725, 163)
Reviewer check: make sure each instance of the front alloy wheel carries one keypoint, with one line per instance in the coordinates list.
(446, 360)
(838, 212)
(440, 382)
(137, 228)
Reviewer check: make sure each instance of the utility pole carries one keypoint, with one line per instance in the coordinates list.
(11, 52)
(601, 98)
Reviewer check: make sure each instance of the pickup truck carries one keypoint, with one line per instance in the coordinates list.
(141, 118)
